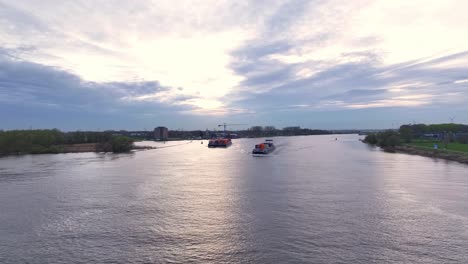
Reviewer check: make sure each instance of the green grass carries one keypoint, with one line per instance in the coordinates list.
(429, 144)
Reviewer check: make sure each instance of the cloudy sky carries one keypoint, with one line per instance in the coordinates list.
(193, 64)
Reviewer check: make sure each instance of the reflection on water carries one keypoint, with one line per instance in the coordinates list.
(314, 200)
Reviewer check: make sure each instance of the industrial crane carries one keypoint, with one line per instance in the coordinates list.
(224, 125)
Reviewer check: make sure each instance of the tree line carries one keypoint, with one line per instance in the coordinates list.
(254, 131)
(271, 131)
(449, 132)
(407, 133)
(52, 141)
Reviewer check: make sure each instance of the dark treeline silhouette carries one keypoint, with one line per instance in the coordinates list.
(52, 141)
(255, 131)
(407, 133)
(187, 134)
(449, 132)
(419, 129)
(385, 139)
(271, 131)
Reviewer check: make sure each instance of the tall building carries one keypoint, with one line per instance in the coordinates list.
(161, 133)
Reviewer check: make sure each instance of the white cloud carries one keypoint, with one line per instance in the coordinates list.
(398, 31)
(388, 103)
(461, 81)
(189, 44)
(186, 45)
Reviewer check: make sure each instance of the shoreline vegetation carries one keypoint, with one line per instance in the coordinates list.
(442, 141)
(52, 141)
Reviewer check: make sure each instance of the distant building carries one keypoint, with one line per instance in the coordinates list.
(161, 133)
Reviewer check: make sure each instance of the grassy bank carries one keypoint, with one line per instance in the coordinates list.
(54, 141)
(429, 144)
(461, 157)
(402, 141)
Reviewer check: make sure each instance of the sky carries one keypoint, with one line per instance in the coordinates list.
(329, 64)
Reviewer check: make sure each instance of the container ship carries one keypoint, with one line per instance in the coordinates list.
(219, 143)
(264, 148)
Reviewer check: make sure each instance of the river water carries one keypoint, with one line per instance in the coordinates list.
(315, 200)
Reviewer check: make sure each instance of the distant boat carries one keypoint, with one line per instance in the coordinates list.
(264, 148)
(219, 143)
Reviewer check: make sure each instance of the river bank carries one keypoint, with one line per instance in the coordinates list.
(50, 141)
(405, 142)
(432, 153)
(78, 148)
